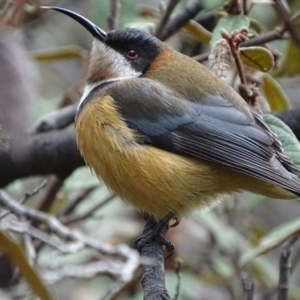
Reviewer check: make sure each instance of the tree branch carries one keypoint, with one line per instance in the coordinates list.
(56, 152)
(121, 261)
(53, 152)
(188, 13)
(153, 279)
(59, 119)
(112, 16)
(284, 14)
(164, 19)
(285, 268)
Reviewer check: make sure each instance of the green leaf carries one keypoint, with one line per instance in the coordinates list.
(274, 239)
(231, 241)
(287, 138)
(258, 58)
(274, 94)
(230, 23)
(256, 26)
(290, 65)
(198, 31)
(67, 52)
(13, 251)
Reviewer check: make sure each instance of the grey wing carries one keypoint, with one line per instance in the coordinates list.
(211, 129)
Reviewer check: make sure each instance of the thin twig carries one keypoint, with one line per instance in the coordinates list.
(164, 19)
(295, 262)
(245, 11)
(285, 266)
(112, 16)
(29, 247)
(275, 34)
(44, 237)
(284, 14)
(28, 195)
(68, 209)
(122, 268)
(75, 201)
(13, 13)
(233, 7)
(49, 196)
(59, 119)
(295, 18)
(188, 13)
(88, 270)
(234, 47)
(56, 227)
(113, 290)
(6, 8)
(264, 38)
(178, 274)
(201, 57)
(54, 185)
(76, 218)
(248, 286)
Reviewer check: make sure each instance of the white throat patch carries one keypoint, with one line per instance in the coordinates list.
(111, 62)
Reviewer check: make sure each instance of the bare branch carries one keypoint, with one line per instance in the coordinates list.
(29, 247)
(57, 120)
(74, 201)
(87, 270)
(112, 16)
(275, 34)
(245, 11)
(54, 185)
(24, 227)
(53, 152)
(27, 196)
(71, 219)
(234, 41)
(178, 274)
(56, 227)
(284, 14)
(74, 240)
(188, 13)
(164, 19)
(285, 266)
(233, 7)
(153, 280)
(248, 286)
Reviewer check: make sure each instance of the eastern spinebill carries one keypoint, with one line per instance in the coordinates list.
(166, 134)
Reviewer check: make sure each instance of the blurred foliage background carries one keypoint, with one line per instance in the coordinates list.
(50, 52)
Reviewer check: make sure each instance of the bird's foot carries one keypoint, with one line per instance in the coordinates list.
(154, 231)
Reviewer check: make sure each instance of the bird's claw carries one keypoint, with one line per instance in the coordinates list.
(154, 232)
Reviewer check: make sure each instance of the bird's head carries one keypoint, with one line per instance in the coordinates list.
(117, 53)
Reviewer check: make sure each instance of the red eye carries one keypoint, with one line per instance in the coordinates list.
(131, 53)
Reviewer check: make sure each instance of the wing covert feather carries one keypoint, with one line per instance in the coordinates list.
(211, 129)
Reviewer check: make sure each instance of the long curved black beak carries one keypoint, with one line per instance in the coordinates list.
(97, 32)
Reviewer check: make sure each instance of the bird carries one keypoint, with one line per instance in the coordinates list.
(166, 134)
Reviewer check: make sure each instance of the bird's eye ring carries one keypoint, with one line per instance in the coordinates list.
(131, 53)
